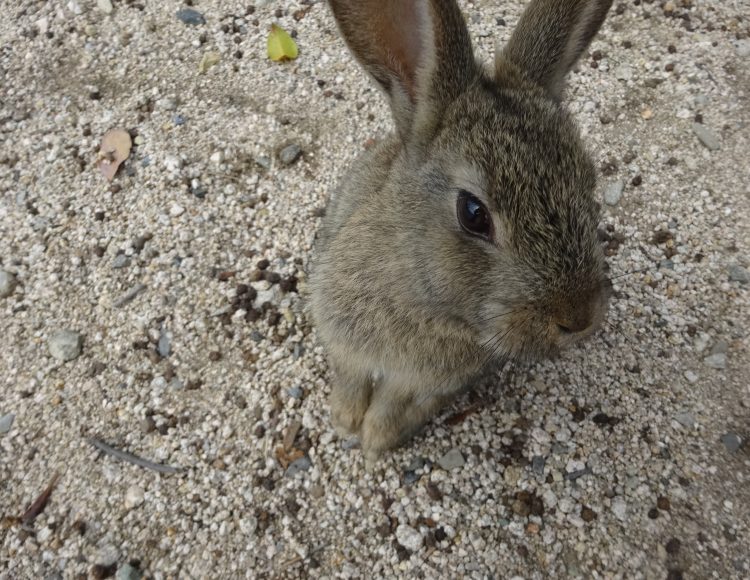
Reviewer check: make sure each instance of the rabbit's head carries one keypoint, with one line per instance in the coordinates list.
(489, 198)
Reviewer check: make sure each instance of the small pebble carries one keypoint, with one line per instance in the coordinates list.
(6, 422)
(613, 192)
(7, 283)
(716, 361)
(736, 274)
(65, 345)
(452, 460)
(685, 419)
(620, 508)
(298, 465)
(120, 261)
(691, 377)
(134, 496)
(165, 343)
(409, 538)
(105, 6)
(290, 154)
(128, 572)
(732, 442)
(706, 136)
(191, 17)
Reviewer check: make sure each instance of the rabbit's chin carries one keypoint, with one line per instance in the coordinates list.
(532, 343)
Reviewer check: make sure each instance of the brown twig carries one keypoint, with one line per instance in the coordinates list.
(40, 503)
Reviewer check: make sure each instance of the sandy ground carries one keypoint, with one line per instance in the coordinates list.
(626, 457)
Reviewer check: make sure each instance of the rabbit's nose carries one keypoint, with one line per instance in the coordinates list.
(577, 319)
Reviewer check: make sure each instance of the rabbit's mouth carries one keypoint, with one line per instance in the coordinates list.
(530, 333)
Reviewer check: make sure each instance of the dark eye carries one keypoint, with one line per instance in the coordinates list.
(473, 215)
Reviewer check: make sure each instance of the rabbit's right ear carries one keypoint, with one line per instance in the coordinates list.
(549, 38)
(417, 50)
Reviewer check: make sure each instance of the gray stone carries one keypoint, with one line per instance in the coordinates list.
(263, 161)
(743, 48)
(685, 419)
(295, 392)
(716, 361)
(190, 16)
(7, 283)
(165, 343)
(290, 154)
(623, 73)
(105, 6)
(613, 193)
(6, 422)
(65, 345)
(452, 460)
(732, 442)
(128, 572)
(720, 347)
(537, 464)
(298, 466)
(736, 274)
(619, 508)
(408, 537)
(707, 137)
(691, 377)
(573, 475)
(121, 261)
(415, 464)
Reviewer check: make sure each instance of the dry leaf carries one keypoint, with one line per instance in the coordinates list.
(280, 45)
(115, 149)
(647, 114)
(285, 457)
(209, 59)
(291, 434)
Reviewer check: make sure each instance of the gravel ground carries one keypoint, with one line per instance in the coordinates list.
(163, 313)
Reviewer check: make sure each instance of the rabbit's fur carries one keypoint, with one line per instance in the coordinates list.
(408, 304)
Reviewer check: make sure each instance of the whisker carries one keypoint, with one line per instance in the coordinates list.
(499, 316)
(639, 271)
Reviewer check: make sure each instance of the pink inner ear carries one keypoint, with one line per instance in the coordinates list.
(400, 36)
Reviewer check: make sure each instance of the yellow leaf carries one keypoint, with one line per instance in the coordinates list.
(280, 45)
(208, 60)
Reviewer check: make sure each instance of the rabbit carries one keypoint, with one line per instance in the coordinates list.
(468, 236)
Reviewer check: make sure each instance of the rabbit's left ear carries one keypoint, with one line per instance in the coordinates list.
(418, 51)
(549, 38)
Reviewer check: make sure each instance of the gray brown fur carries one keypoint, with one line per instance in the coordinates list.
(401, 295)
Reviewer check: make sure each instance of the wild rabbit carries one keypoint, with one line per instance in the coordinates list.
(470, 234)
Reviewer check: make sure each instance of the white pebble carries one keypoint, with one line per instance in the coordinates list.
(408, 537)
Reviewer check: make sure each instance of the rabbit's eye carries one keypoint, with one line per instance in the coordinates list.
(473, 215)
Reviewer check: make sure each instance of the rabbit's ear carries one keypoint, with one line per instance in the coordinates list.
(549, 38)
(417, 50)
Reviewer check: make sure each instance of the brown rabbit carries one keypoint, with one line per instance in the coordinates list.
(470, 234)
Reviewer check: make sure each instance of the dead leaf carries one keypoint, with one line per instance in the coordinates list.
(41, 502)
(280, 45)
(115, 149)
(208, 60)
(285, 457)
(291, 434)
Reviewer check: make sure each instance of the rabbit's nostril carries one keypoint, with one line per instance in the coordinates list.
(574, 325)
(564, 329)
